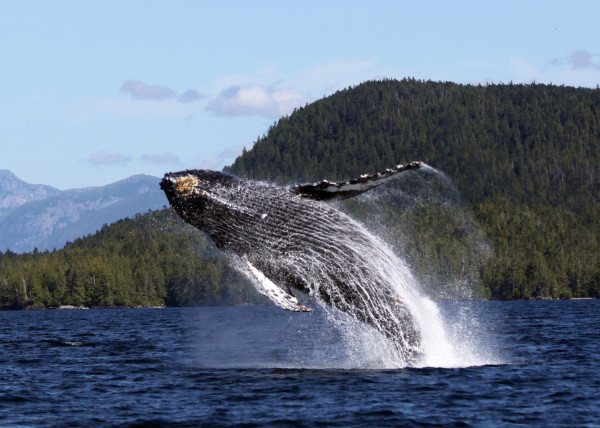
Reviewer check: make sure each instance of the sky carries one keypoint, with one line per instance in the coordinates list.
(92, 92)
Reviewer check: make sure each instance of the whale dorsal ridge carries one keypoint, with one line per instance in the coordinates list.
(325, 190)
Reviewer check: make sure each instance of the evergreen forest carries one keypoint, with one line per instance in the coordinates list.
(525, 160)
(510, 208)
(151, 260)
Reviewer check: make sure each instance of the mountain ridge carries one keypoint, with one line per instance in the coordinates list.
(15, 192)
(49, 217)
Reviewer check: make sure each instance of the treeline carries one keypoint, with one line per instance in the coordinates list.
(153, 259)
(525, 159)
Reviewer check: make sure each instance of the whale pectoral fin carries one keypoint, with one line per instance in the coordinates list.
(279, 296)
(325, 190)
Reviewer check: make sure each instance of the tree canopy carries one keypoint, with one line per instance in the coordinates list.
(525, 160)
(153, 259)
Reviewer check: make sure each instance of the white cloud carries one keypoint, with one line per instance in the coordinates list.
(190, 96)
(103, 158)
(324, 79)
(576, 69)
(214, 163)
(167, 157)
(232, 152)
(581, 58)
(141, 91)
(255, 99)
(269, 91)
(218, 160)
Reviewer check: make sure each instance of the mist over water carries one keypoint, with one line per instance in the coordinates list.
(412, 214)
(448, 339)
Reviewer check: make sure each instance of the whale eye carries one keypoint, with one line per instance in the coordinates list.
(186, 186)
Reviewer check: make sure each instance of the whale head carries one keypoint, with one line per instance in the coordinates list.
(195, 193)
(194, 184)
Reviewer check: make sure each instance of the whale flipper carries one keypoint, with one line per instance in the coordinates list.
(282, 298)
(325, 190)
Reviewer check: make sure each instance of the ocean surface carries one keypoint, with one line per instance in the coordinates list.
(513, 364)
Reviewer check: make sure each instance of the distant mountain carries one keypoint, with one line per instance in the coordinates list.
(42, 217)
(15, 192)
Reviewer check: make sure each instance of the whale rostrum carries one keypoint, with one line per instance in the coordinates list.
(287, 238)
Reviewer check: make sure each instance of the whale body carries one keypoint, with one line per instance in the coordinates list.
(288, 238)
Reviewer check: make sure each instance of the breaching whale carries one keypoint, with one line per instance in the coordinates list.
(287, 238)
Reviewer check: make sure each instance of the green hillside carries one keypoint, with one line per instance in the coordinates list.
(525, 160)
(153, 259)
(524, 143)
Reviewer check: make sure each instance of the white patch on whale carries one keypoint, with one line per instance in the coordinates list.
(267, 287)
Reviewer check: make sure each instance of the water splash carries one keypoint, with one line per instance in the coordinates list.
(367, 348)
(450, 339)
(438, 348)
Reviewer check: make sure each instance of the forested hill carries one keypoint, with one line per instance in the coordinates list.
(525, 158)
(150, 260)
(522, 143)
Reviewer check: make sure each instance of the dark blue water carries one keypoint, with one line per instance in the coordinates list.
(260, 366)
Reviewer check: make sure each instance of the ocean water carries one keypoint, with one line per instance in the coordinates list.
(519, 364)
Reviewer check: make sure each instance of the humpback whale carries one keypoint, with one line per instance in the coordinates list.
(288, 238)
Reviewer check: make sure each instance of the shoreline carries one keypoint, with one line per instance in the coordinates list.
(84, 308)
(80, 308)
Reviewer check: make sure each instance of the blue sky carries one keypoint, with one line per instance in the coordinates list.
(96, 91)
